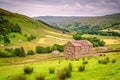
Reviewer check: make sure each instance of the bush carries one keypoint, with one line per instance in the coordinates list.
(22, 52)
(40, 77)
(30, 52)
(9, 50)
(81, 68)
(67, 73)
(83, 59)
(5, 54)
(40, 49)
(85, 62)
(28, 70)
(103, 61)
(19, 77)
(51, 70)
(19, 52)
(107, 58)
(63, 74)
(70, 66)
(99, 61)
(113, 61)
(16, 51)
(77, 59)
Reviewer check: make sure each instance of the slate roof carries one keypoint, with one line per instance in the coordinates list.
(80, 42)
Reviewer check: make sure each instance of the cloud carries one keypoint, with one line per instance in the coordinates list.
(62, 7)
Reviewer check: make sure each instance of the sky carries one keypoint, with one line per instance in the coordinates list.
(35, 8)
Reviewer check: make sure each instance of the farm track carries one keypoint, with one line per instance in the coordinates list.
(37, 60)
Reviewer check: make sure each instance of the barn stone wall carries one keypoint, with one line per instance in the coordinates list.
(71, 51)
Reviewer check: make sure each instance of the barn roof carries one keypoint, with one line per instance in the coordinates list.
(80, 42)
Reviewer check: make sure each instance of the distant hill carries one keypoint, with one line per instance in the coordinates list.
(78, 23)
(55, 19)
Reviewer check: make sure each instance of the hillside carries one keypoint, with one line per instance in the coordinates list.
(19, 28)
(27, 24)
(77, 23)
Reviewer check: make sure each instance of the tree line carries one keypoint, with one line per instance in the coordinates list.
(103, 33)
(20, 52)
(6, 27)
(94, 40)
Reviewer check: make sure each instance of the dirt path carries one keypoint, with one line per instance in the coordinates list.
(37, 60)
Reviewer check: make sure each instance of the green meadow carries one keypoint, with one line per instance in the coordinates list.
(93, 70)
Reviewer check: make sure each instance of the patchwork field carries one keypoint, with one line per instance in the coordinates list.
(109, 40)
(93, 70)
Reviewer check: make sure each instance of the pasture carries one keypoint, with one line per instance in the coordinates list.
(93, 70)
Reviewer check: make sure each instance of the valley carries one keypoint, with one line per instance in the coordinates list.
(31, 42)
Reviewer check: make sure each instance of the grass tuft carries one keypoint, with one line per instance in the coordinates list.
(81, 68)
(28, 70)
(70, 66)
(113, 61)
(85, 62)
(40, 77)
(51, 70)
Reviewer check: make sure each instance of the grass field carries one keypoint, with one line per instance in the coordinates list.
(93, 70)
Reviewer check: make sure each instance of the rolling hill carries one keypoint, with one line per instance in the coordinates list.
(77, 23)
(45, 35)
(27, 24)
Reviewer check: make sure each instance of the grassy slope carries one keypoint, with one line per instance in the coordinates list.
(93, 71)
(30, 26)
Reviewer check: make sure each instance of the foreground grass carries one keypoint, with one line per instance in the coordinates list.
(93, 70)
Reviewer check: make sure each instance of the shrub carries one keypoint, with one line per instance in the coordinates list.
(103, 61)
(5, 54)
(81, 68)
(19, 77)
(83, 59)
(113, 61)
(51, 70)
(104, 55)
(77, 59)
(9, 50)
(22, 52)
(85, 62)
(30, 52)
(107, 58)
(63, 74)
(40, 77)
(16, 51)
(19, 52)
(70, 66)
(67, 72)
(99, 61)
(28, 70)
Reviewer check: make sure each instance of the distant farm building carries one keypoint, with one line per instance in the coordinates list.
(77, 48)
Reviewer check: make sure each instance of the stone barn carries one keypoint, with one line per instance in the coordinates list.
(77, 48)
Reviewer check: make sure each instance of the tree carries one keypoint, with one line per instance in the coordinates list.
(78, 36)
(6, 39)
(22, 52)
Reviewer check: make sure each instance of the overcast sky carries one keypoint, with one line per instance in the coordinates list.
(62, 7)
